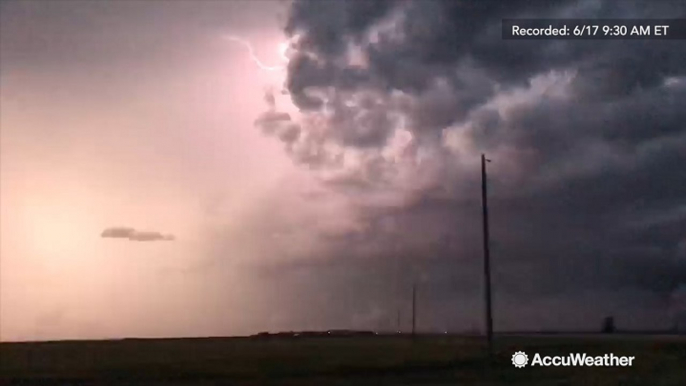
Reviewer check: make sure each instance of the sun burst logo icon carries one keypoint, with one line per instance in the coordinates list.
(519, 359)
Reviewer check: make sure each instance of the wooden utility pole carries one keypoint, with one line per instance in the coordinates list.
(397, 329)
(487, 258)
(414, 308)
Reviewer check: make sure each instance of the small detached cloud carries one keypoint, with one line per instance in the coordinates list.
(118, 232)
(134, 235)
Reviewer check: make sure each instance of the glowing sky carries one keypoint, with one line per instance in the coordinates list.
(127, 114)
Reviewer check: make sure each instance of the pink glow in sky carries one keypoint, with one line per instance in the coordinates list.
(130, 114)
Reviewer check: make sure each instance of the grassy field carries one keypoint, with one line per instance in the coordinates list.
(375, 360)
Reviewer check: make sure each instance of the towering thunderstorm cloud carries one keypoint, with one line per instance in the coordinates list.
(398, 99)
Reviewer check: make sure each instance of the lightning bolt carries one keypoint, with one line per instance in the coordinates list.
(251, 52)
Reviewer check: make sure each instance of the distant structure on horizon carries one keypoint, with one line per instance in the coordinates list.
(304, 334)
(609, 325)
(680, 323)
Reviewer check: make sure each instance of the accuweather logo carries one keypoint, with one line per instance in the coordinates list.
(520, 359)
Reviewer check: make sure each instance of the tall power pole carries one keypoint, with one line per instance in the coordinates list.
(487, 258)
(414, 307)
(397, 329)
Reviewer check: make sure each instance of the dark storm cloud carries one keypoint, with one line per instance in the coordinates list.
(326, 25)
(588, 140)
(135, 235)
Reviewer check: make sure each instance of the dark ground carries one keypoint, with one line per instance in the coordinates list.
(372, 360)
